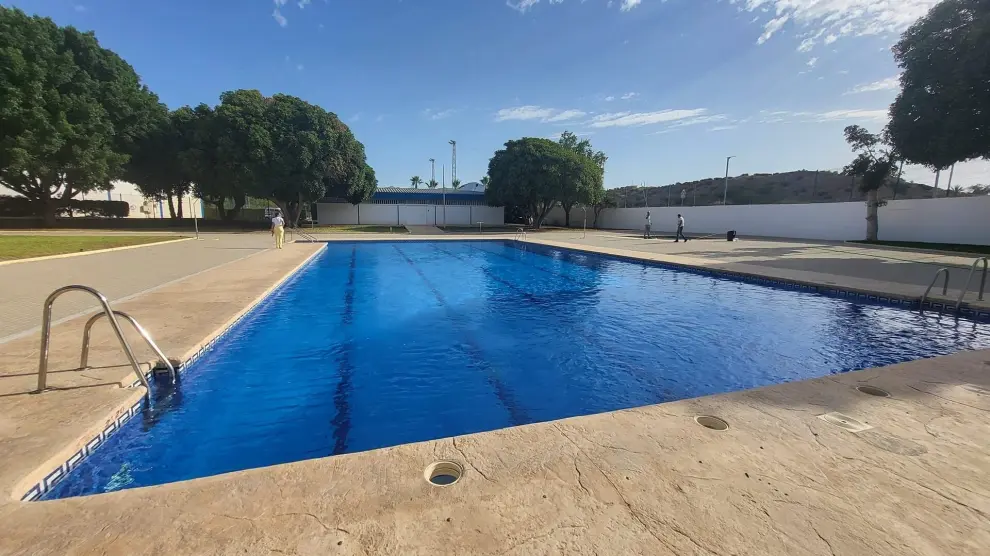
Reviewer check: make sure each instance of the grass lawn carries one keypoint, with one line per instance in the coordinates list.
(353, 229)
(23, 247)
(951, 247)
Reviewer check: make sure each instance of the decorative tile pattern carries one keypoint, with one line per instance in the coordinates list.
(42, 487)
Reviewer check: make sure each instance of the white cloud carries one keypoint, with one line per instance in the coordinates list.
(566, 115)
(812, 62)
(889, 84)
(722, 128)
(772, 27)
(627, 119)
(628, 5)
(304, 3)
(521, 5)
(787, 116)
(279, 18)
(629, 96)
(530, 112)
(439, 114)
(839, 18)
(806, 45)
(609, 98)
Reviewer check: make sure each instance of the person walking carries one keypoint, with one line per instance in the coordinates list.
(680, 229)
(278, 230)
(649, 225)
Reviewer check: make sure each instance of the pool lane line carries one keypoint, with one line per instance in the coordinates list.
(516, 415)
(648, 379)
(345, 364)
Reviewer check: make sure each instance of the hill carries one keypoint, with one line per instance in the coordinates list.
(751, 189)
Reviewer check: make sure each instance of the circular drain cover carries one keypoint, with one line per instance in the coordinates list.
(710, 422)
(443, 473)
(873, 391)
(844, 421)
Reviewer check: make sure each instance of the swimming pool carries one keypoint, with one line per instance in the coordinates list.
(377, 344)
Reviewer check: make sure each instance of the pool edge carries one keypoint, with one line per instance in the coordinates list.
(50, 473)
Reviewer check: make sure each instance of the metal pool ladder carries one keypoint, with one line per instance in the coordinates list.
(46, 330)
(969, 279)
(520, 234)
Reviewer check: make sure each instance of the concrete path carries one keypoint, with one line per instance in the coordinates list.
(118, 274)
(894, 271)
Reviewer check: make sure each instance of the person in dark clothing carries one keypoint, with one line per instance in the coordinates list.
(680, 230)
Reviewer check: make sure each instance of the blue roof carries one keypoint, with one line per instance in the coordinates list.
(402, 193)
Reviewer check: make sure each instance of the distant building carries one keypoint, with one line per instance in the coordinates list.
(398, 206)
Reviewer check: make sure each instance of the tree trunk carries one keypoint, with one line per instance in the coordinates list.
(872, 213)
(239, 201)
(50, 206)
(221, 211)
(598, 210)
(179, 209)
(171, 207)
(567, 215)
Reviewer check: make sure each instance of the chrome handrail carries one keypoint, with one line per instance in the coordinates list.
(945, 286)
(84, 357)
(520, 234)
(983, 281)
(46, 332)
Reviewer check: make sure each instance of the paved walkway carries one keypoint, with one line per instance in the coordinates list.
(425, 230)
(893, 271)
(118, 274)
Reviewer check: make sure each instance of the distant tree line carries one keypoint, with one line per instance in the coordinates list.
(75, 117)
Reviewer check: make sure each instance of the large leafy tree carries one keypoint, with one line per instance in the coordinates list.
(588, 192)
(942, 115)
(537, 174)
(70, 111)
(206, 163)
(160, 161)
(875, 165)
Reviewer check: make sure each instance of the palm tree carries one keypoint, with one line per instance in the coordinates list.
(485, 181)
(455, 183)
(415, 181)
(432, 184)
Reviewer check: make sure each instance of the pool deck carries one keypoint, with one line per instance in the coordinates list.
(648, 480)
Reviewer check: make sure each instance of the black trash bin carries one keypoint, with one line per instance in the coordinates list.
(730, 235)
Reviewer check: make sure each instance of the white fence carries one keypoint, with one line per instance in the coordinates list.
(330, 214)
(963, 220)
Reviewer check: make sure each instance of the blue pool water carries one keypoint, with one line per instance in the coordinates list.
(378, 344)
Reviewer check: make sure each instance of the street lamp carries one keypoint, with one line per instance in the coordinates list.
(725, 193)
(453, 161)
(433, 170)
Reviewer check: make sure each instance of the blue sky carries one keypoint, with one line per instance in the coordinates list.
(667, 88)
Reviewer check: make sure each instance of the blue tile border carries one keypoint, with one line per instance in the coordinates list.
(56, 476)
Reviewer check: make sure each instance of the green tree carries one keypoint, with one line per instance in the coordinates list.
(432, 184)
(455, 183)
(941, 115)
(537, 174)
(70, 111)
(875, 164)
(587, 193)
(416, 181)
(158, 163)
(602, 203)
(485, 180)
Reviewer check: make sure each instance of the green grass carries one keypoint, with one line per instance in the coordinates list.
(353, 229)
(950, 247)
(23, 247)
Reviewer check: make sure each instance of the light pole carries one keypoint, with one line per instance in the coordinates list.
(433, 170)
(453, 161)
(725, 193)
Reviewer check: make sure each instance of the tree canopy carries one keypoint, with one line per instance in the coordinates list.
(941, 115)
(538, 174)
(589, 191)
(71, 111)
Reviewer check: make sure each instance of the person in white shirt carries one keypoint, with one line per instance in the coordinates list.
(278, 230)
(649, 225)
(680, 230)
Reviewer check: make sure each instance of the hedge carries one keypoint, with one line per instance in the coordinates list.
(21, 206)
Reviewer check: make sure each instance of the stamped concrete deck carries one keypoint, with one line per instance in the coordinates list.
(642, 481)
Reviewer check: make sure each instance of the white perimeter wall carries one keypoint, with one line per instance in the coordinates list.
(948, 220)
(400, 215)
